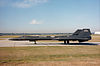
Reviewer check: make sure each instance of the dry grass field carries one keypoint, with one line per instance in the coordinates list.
(50, 56)
(9, 36)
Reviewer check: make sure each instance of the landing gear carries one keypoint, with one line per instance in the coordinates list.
(34, 42)
(65, 41)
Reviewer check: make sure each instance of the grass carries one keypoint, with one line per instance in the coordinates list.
(2, 39)
(46, 55)
(9, 36)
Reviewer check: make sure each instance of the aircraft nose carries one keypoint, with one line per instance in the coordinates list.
(12, 39)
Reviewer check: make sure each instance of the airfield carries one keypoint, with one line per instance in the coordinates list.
(49, 53)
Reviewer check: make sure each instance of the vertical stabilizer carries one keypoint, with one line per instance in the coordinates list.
(82, 33)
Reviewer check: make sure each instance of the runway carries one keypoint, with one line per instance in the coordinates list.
(7, 43)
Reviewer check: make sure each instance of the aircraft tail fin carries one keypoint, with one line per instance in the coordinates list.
(83, 33)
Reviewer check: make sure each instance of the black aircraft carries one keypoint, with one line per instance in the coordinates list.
(80, 35)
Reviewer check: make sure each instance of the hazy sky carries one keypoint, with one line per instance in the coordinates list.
(49, 15)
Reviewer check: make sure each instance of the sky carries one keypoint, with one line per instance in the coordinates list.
(49, 16)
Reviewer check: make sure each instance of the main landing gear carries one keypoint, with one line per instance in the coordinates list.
(65, 41)
(34, 42)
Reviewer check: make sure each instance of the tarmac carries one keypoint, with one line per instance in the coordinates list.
(8, 43)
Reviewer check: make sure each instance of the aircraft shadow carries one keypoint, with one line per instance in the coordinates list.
(62, 44)
(80, 44)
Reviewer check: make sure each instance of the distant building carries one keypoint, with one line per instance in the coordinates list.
(97, 33)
